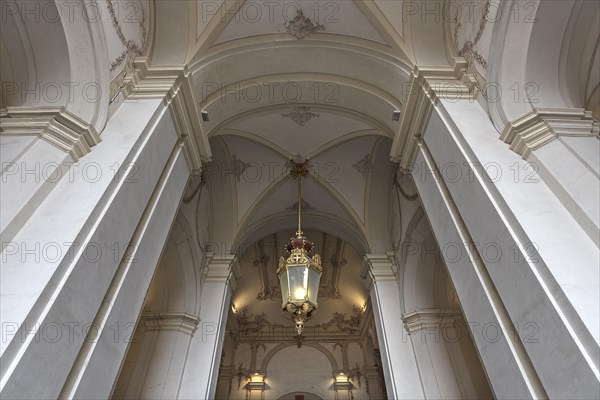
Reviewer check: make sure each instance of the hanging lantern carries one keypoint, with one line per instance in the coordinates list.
(299, 274)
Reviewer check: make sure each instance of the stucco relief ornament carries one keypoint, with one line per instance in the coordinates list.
(237, 167)
(305, 206)
(468, 48)
(301, 115)
(364, 166)
(131, 48)
(301, 26)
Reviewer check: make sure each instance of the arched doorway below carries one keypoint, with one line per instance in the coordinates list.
(300, 396)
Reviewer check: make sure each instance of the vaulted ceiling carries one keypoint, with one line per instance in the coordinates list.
(316, 80)
(297, 80)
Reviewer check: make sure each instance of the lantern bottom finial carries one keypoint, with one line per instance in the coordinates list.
(299, 326)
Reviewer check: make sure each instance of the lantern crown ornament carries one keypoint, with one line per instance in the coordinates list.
(299, 273)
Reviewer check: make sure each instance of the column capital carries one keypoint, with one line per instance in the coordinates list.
(427, 85)
(174, 84)
(542, 125)
(171, 321)
(380, 267)
(55, 125)
(222, 268)
(430, 318)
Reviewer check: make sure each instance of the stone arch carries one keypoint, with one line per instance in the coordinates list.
(35, 75)
(530, 74)
(281, 346)
(307, 396)
(313, 370)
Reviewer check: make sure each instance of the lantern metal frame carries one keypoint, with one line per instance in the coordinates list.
(300, 305)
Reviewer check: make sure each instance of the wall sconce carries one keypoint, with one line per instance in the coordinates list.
(256, 382)
(342, 383)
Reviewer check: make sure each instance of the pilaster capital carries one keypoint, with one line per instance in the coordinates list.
(430, 319)
(171, 321)
(174, 85)
(56, 125)
(542, 125)
(223, 268)
(380, 267)
(427, 85)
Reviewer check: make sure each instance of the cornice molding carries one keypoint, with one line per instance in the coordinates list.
(540, 126)
(174, 85)
(56, 125)
(223, 268)
(170, 321)
(427, 85)
(380, 267)
(429, 319)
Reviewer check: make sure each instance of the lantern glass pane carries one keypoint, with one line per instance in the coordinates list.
(283, 282)
(298, 282)
(313, 285)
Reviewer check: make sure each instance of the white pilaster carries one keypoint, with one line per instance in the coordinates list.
(511, 237)
(75, 275)
(170, 334)
(562, 148)
(399, 364)
(202, 366)
(432, 332)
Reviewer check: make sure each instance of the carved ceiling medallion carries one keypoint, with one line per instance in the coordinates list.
(301, 26)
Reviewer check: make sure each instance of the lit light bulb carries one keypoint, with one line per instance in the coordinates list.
(300, 293)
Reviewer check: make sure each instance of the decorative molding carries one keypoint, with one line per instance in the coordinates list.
(237, 167)
(430, 319)
(380, 267)
(298, 159)
(340, 326)
(330, 292)
(426, 87)
(467, 49)
(301, 115)
(56, 125)
(170, 321)
(305, 206)
(201, 183)
(174, 85)
(301, 26)
(131, 51)
(247, 322)
(222, 269)
(540, 126)
(356, 374)
(131, 48)
(412, 225)
(269, 292)
(330, 289)
(398, 185)
(341, 323)
(364, 166)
